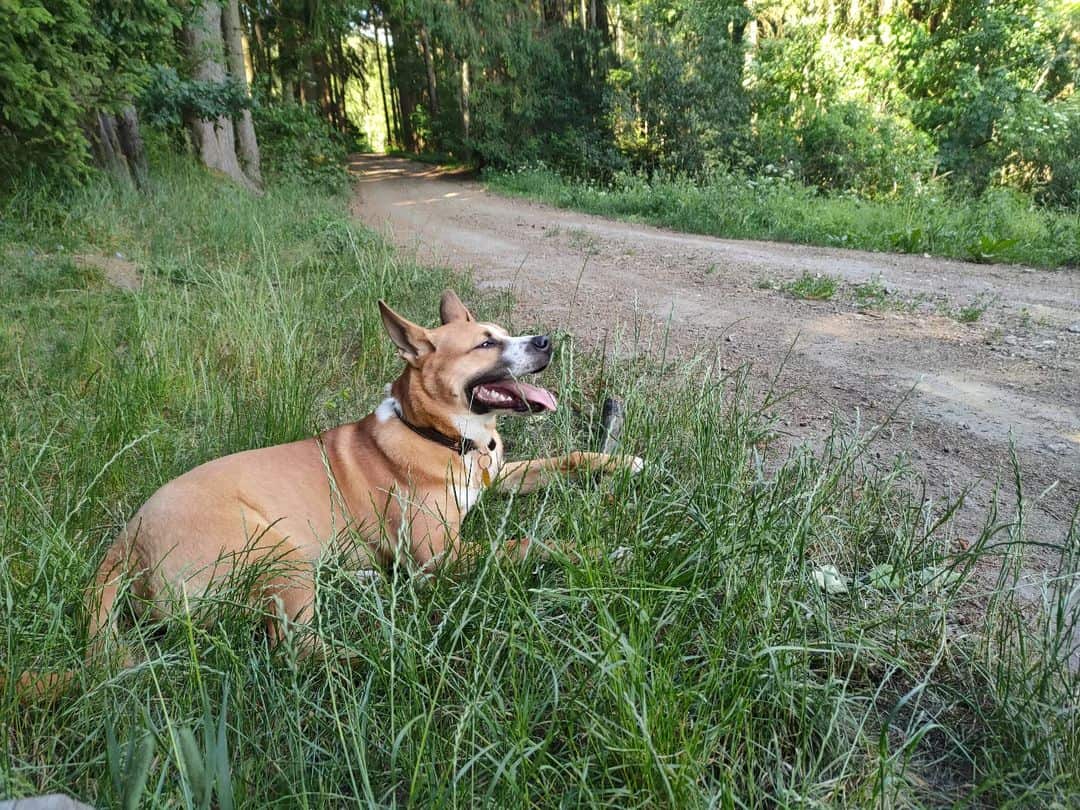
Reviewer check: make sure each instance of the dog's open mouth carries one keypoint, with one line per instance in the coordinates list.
(511, 395)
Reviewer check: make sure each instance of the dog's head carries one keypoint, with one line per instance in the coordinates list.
(465, 367)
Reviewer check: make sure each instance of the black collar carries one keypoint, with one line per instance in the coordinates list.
(462, 445)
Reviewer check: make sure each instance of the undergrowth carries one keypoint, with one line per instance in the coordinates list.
(999, 226)
(707, 668)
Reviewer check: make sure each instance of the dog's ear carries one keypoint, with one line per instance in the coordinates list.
(412, 340)
(451, 308)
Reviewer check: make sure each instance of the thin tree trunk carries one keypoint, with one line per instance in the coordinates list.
(341, 72)
(265, 60)
(429, 64)
(214, 140)
(465, 100)
(383, 90)
(395, 90)
(245, 128)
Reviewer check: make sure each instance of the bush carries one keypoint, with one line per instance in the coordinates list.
(848, 147)
(1038, 147)
(297, 143)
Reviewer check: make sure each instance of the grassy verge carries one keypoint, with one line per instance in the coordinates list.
(1000, 226)
(722, 663)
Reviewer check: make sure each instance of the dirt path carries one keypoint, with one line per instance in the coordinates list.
(1015, 372)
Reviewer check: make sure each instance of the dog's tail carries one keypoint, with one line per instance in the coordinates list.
(100, 600)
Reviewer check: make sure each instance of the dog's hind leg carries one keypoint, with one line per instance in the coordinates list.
(102, 633)
(100, 600)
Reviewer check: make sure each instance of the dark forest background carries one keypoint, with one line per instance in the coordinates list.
(876, 97)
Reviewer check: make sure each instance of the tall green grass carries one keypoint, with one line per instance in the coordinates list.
(707, 668)
(999, 226)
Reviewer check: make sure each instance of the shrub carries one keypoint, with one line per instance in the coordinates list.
(1038, 145)
(296, 142)
(848, 146)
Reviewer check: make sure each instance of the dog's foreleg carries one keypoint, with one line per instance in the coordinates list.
(531, 474)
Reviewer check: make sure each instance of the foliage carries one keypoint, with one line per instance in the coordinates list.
(535, 98)
(298, 143)
(1002, 221)
(59, 61)
(167, 98)
(984, 75)
(706, 667)
(678, 100)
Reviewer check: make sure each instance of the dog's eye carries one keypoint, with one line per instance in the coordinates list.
(488, 344)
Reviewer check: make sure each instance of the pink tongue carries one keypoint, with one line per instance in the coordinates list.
(538, 398)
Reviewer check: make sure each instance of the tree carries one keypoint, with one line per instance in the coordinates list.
(214, 138)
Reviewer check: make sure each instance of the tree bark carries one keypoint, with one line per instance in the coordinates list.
(429, 64)
(402, 101)
(465, 101)
(127, 130)
(105, 143)
(214, 139)
(341, 73)
(245, 128)
(383, 91)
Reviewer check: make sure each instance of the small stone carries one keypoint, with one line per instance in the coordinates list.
(1074, 328)
(729, 338)
(1047, 344)
(1010, 340)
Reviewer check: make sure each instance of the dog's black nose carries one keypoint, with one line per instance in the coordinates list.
(541, 343)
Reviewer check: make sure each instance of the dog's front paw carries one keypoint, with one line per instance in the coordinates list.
(636, 465)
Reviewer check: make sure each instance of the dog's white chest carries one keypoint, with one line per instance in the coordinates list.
(481, 468)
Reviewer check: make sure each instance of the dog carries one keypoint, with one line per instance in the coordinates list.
(402, 479)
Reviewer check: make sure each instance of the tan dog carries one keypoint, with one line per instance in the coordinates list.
(402, 479)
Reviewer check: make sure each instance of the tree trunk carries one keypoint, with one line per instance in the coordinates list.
(404, 124)
(262, 47)
(245, 128)
(383, 91)
(465, 102)
(429, 64)
(108, 153)
(127, 130)
(214, 140)
(341, 73)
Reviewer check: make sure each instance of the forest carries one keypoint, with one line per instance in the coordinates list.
(875, 98)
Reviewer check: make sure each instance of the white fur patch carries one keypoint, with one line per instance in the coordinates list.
(478, 427)
(517, 355)
(466, 498)
(387, 409)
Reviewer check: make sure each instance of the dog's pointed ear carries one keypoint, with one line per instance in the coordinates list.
(412, 340)
(451, 308)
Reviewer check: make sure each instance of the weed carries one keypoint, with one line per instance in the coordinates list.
(909, 240)
(871, 294)
(987, 248)
(582, 240)
(973, 310)
(813, 286)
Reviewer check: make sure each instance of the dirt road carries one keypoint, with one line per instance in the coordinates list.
(1014, 372)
